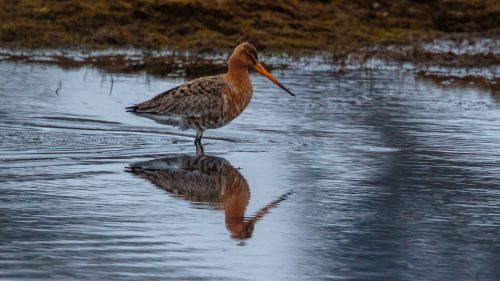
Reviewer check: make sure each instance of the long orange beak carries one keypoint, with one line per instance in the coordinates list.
(258, 67)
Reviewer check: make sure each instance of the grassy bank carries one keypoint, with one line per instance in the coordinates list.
(337, 27)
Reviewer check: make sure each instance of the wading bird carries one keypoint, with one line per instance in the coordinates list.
(208, 102)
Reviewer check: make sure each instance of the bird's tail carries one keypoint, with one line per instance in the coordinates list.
(132, 108)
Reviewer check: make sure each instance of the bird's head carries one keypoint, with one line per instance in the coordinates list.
(242, 230)
(245, 55)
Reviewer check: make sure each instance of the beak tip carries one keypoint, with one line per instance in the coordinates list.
(288, 91)
(259, 68)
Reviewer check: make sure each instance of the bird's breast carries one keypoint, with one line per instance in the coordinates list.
(237, 98)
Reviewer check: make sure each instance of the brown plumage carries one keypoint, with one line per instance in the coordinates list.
(206, 179)
(208, 102)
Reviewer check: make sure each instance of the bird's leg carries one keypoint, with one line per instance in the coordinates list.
(199, 135)
(200, 150)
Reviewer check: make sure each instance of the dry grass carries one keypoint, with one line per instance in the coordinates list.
(338, 27)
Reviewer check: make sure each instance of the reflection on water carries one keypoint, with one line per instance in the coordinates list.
(206, 179)
(472, 82)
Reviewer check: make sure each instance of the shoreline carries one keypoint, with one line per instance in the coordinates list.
(439, 64)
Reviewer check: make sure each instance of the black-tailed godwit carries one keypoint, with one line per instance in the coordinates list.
(208, 102)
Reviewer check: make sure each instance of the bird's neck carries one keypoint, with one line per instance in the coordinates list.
(239, 77)
(240, 89)
(237, 73)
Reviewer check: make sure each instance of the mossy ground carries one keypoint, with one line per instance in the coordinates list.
(338, 27)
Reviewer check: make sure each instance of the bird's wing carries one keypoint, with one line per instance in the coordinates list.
(196, 98)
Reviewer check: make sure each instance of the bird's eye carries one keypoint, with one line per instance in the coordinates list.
(252, 58)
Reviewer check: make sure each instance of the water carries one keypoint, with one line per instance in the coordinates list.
(378, 175)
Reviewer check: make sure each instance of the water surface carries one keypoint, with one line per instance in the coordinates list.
(368, 175)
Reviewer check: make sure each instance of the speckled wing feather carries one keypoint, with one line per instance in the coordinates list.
(196, 98)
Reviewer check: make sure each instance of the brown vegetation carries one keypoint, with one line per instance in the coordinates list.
(335, 27)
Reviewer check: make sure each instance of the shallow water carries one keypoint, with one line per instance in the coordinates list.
(378, 175)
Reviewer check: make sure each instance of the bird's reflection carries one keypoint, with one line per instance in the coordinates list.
(206, 179)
